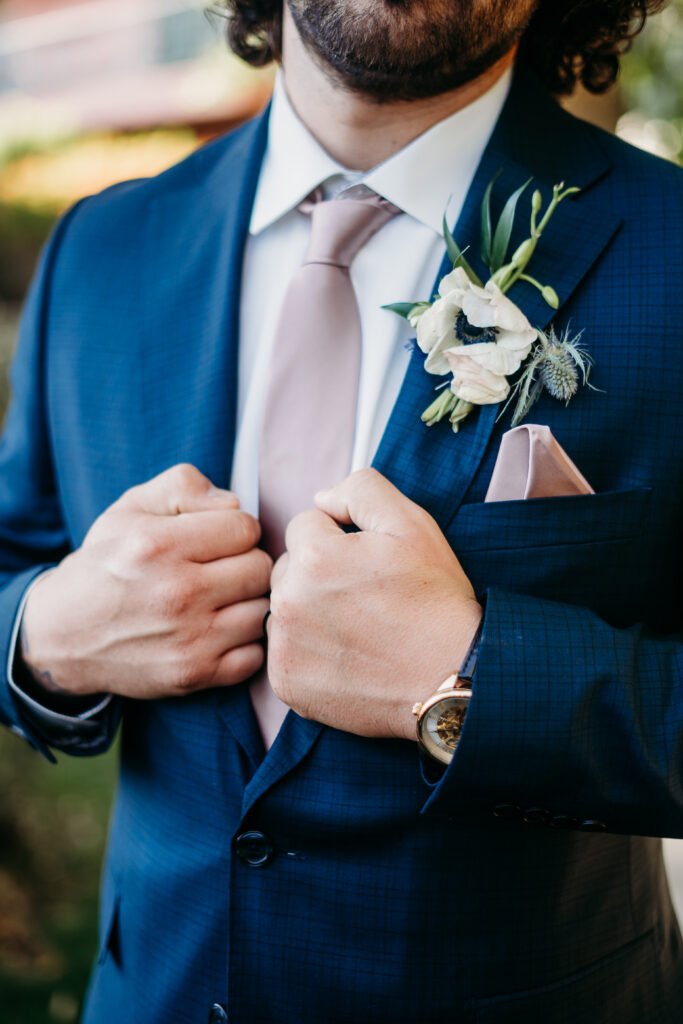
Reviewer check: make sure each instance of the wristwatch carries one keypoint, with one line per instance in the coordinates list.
(440, 719)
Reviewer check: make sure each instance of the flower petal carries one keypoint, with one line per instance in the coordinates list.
(473, 383)
(457, 280)
(517, 341)
(436, 325)
(436, 362)
(492, 357)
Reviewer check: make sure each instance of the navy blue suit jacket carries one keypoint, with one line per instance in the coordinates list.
(522, 882)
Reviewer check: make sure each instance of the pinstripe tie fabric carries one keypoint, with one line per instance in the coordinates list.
(310, 413)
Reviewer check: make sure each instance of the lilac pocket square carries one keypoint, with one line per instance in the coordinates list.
(531, 464)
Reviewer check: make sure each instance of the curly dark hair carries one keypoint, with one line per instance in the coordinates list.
(566, 41)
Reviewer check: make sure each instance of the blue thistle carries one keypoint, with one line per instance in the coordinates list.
(558, 365)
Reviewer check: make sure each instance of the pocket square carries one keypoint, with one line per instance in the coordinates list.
(531, 464)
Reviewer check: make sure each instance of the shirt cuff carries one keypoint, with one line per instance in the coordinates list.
(45, 715)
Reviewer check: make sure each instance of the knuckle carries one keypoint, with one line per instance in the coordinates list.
(187, 674)
(176, 597)
(187, 476)
(244, 529)
(312, 558)
(185, 479)
(366, 475)
(146, 543)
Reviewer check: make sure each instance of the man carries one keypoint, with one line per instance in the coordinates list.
(320, 869)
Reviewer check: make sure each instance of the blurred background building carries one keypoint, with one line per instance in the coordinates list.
(92, 92)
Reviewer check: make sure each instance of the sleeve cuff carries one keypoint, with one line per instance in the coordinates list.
(75, 733)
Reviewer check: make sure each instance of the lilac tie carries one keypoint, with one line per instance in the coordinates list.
(310, 412)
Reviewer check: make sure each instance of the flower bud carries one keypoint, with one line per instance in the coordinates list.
(550, 296)
(536, 202)
(524, 252)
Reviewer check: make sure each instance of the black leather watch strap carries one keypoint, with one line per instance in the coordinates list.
(470, 663)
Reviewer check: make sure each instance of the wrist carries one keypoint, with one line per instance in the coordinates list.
(461, 629)
(440, 719)
(40, 666)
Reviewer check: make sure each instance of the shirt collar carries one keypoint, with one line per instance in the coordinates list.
(429, 176)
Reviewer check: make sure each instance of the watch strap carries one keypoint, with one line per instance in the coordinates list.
(470, 663)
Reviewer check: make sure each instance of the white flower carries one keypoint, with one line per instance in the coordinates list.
(473, 382)
(488, 307)
(436, 332)
(456, 281)
(465, 312)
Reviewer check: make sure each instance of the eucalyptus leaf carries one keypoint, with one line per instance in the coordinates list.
(457, 256)
(402, 308)
(486, 229)
(503, 232)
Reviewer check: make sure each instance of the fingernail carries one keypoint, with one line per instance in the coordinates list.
(321, 495)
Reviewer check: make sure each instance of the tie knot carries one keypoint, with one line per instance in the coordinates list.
(342, 226)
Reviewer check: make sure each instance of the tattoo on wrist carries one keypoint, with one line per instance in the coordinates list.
(43, 679)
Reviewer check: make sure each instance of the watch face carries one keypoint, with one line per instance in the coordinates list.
(442, 725)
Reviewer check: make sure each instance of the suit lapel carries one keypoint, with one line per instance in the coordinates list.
(533, 137)
(196, 237)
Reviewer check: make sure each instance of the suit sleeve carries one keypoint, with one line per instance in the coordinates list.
(572, 724)
(33, 537)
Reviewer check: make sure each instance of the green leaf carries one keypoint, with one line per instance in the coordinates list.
(402, 308)
(486, 229)
(457, 256)
(503, 232)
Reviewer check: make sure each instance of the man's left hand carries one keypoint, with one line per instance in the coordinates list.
(364, 624)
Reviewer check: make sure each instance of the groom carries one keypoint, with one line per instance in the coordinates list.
(220, 326)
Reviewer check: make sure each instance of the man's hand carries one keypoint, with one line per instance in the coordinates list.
(165, 596)
(364, 624)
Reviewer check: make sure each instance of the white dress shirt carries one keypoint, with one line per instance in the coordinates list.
(399, 263)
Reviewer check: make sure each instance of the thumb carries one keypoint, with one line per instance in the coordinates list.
(369, 501)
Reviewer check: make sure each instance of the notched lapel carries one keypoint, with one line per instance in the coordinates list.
(292, 743)
(533, 138)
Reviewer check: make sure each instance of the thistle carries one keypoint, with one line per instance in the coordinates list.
(557, 365)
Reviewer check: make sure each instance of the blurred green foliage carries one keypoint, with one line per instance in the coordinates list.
(53, 821)
(652, 84)
(23, 231)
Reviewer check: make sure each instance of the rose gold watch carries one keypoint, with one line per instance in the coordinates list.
(440, 719)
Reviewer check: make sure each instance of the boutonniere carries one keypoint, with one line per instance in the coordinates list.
(473, 332)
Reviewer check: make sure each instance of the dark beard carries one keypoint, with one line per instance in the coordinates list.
(408, 49)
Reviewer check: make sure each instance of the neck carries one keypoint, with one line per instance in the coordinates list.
(356, 130)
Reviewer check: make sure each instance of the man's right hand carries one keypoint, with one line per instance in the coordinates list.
(165, 596)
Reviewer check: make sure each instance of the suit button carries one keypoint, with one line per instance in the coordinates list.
(536, 816)
(563, 821)
(254, 848)
(591, 825)
(217, 1014)
(507, 812)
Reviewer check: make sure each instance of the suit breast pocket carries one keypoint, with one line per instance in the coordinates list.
(593, 550)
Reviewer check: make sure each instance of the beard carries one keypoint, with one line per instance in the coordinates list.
(408, 49)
